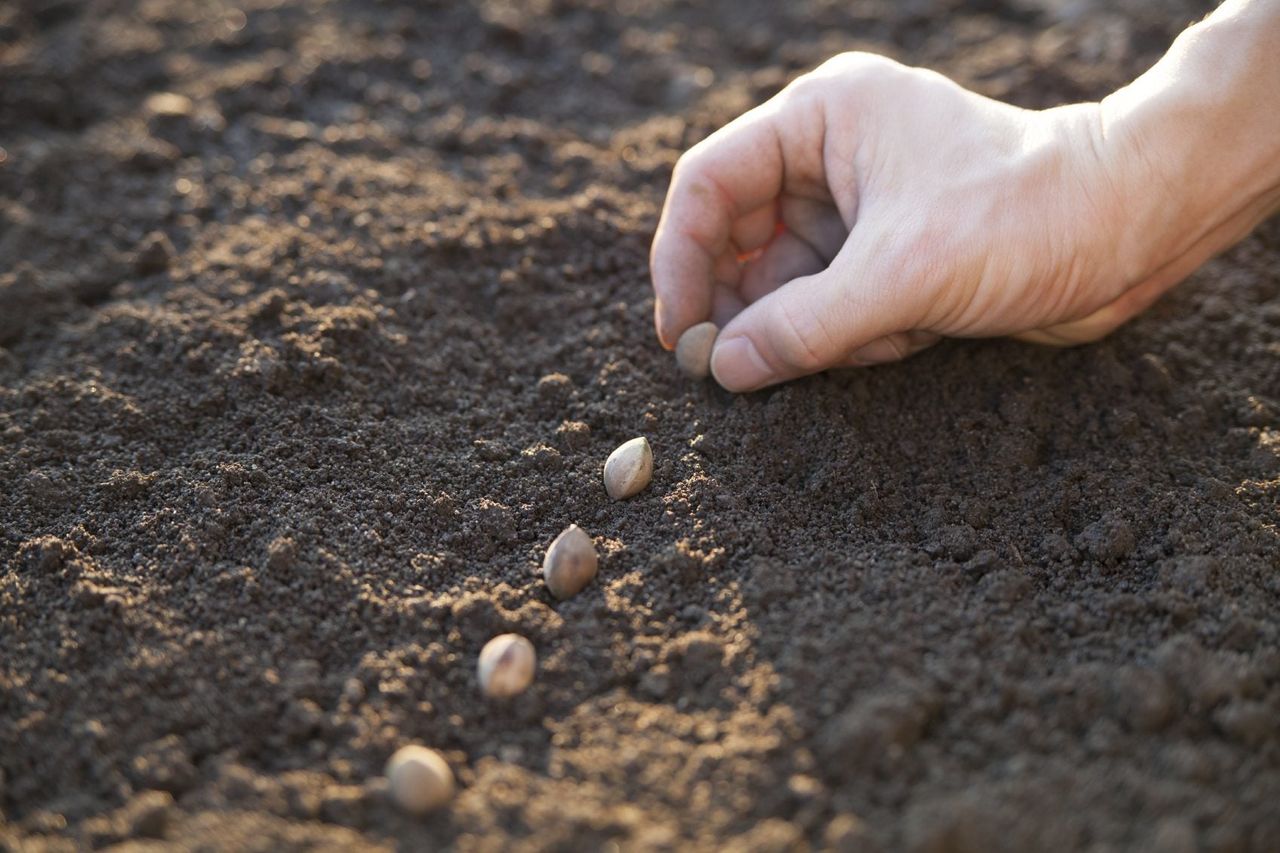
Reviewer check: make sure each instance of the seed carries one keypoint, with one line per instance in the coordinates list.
(570, 563)
(628, 469)
(693, 350)
(420, 778)
(506, 666)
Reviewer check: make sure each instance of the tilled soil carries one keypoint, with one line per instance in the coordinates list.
(301, 375)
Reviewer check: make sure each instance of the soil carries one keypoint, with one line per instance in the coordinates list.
(302, 371)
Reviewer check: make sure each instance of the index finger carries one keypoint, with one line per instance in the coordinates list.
(730, 173)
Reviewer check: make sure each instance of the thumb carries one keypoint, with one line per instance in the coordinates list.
(813, 322)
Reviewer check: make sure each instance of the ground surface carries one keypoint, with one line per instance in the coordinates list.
(271, 479)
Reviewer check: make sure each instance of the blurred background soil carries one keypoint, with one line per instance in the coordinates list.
(302, 367)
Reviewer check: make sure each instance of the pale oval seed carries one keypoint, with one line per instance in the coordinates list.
(570, 562)
(628, 469)
(420, 779)
(693, 350)
(506, 666)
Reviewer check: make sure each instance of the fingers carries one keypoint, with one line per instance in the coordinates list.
(725, 305)
(786, 258)
(816, 221)
(812, 237)
(818, 321)
(754, 230)
(736, 170)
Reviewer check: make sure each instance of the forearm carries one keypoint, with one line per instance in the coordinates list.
(1203, 127)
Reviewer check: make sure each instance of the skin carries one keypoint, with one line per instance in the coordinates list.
(871, 208)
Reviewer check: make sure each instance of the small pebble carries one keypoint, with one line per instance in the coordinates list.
(570, 563)
(149, 814)
(628, 469)
(420, 779)
(169, 104)
(506, 666)
(693, 350)
(573, 435)
(154, 254)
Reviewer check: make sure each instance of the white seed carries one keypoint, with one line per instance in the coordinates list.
(693, 350)
(570, 563)
(420, 778)
(628, 469)
(506, 666)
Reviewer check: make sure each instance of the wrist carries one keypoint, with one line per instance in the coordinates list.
(1197, 141)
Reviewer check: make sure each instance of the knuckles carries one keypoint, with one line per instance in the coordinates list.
(801, 340)
(858, 66)
(845, 73)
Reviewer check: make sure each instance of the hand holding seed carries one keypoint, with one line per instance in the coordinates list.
(871, 208)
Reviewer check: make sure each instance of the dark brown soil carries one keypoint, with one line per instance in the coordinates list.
(298, 385)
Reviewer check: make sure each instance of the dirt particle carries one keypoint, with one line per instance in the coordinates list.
(1006, 586)
(696, 661)
(1143, 698)
(1056, 547)
(541, 457)
(302, 678)
(771, 836)
(89, 595)
(302, 718)
(1190, 574)
(573, 435)
(154, 254)
(347, 805)
(680, 563)
(165, 764)
(1108, 540)
(983, 563)
(554, 391)
(656, 683)
(1174, 835)
(46, 553)
(149, 814)
(846, 833)
(957, 541)
(1250, 722)
(1153, 373)
(769, 582)
(282, 554)
(1205, 679)
(877, 730)
(353, 691)
(128, 484)
(491, 450)
(494, 526)
(476, 616)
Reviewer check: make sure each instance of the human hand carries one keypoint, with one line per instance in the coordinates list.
(871, 208)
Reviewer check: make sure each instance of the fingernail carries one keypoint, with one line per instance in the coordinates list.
(661, 324)
(738, 366)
